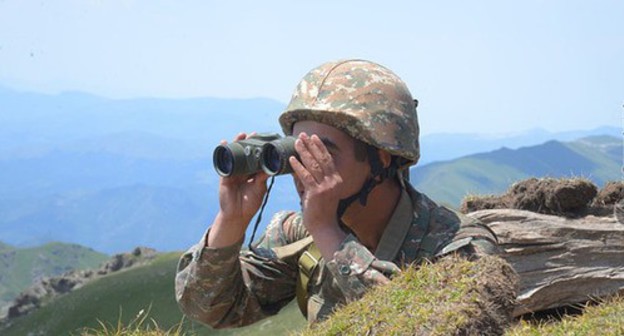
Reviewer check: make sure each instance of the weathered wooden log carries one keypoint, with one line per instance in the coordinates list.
(560, 261)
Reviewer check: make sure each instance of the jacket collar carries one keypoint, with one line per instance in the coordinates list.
(398, 227)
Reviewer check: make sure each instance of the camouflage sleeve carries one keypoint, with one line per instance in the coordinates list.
(356, 269)
(470, 247)
(472, 239)
(227, 287)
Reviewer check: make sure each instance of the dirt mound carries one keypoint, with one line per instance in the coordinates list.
(562, 197)
(608, 198)
(565, 197)
(473, 203)
(612, 193)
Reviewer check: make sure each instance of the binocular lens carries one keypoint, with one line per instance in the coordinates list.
(223, 161)
(275, 156)
(272, 161)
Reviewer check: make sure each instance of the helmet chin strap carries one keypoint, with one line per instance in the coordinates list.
(378, 175)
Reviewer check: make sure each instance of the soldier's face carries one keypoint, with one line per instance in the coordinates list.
(341, 147)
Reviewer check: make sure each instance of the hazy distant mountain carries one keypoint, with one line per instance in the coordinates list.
(91, 170)
(34, 124)
(60, 172)
(117, 219)
(597, 158)
(445, 146)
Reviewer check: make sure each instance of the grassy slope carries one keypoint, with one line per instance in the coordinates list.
(5, 247)
(605, 151)
(606, 319)
(19, 267)
(129, 292)
(448, 183)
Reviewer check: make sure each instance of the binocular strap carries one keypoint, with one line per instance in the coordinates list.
(259, 217)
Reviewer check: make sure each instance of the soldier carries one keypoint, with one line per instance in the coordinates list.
(360, 219)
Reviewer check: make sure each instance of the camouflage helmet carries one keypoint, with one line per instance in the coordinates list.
(363, 99)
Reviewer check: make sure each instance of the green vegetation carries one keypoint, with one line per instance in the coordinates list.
(448, 183)
(139, 326)
(19, 267)
(116, 300)
(437, 299)
(604, 151)
(451, 297)
(606, 319)
(119, 296)
(5, 247)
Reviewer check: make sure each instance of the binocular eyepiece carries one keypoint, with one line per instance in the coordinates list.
(266, 152)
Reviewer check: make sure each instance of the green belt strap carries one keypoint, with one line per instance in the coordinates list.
(308, 262)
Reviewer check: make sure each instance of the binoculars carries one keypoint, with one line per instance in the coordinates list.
(268, 152)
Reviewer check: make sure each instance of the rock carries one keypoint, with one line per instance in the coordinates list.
(125, 260)
(560, 261)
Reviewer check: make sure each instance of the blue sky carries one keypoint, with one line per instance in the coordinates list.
(476, 67)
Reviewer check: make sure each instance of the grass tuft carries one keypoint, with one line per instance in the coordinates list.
(605, 319)
(139, 326)
(452, 296)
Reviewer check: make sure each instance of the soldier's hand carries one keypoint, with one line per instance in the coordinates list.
(320, 181)
(240, 197)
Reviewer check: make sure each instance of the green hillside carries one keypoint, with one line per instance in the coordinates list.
(596, 158)
(605, 151)
(19, 267)
(126, 293)
(5, 247)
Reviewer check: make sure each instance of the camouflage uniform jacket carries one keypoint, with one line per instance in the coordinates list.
(227, 287)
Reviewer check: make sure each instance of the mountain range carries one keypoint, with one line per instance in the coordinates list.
(115, 174)
(597, 158)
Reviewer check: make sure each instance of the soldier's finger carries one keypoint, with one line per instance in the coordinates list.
(322, 155)
(262, 177)
(308, 160)
(240, 136)
(302, 173)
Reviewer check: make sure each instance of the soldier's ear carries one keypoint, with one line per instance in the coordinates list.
(384, 157)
